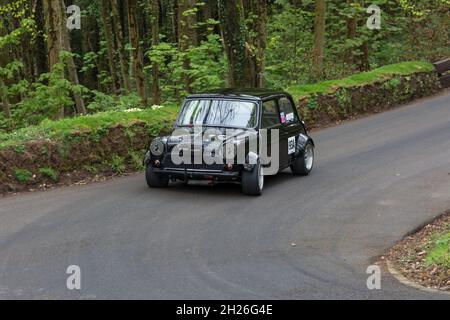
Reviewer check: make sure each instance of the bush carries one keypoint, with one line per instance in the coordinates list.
(118, 164)
(22, 175)
(49, 173)
(136, 159)
(101, 102)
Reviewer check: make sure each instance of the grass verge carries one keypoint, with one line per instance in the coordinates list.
(424, 257)
(361, 79)
(60, 129)
(439, 251)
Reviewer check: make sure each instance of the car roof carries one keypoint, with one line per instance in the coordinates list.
(252, 93)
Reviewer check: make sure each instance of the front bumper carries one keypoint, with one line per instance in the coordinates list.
(199, 174)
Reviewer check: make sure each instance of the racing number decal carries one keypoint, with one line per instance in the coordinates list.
(291, 145)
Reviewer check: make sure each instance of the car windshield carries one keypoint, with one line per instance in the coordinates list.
(219, 113)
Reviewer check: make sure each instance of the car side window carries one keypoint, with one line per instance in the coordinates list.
(287, 112)
(270, 116)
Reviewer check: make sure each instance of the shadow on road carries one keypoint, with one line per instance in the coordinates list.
(225, 189)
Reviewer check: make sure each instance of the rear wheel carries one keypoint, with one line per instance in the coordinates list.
(304, 163)
(253, 181)
(155, 180)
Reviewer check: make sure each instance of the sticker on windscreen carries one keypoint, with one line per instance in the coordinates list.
(290, 117)
(283, 117)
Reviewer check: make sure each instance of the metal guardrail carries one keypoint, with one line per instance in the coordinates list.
(443, 68)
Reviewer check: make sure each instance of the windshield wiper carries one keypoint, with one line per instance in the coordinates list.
(222, 126)
(210, 126)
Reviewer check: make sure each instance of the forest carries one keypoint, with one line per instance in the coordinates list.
(147, 53)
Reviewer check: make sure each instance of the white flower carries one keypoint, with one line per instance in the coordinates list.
(156, 107)
(133, 110)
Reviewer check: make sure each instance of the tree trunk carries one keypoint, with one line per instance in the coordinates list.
(261, 42)
(121, 46)
(53, 23)
(208, 12)
(169, 19)
(138, 63)
(187, 35)
(319, 39)
(107, 28)
(155, 12)
(351, 34)
(233, 30)
(297, 4)
(5, 101)
(90, 36)
(39, 49)
(71, 67)
(256, 17)
(364, 63)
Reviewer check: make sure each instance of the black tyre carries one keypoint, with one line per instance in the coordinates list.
(253, 181)
(155, 180)
(304, 163)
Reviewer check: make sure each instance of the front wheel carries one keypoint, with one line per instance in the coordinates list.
(253, 181)
(304, 163)
(155, 180)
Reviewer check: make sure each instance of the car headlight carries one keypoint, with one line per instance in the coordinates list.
(157, 148)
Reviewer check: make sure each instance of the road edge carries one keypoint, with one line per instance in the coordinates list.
(405, 281)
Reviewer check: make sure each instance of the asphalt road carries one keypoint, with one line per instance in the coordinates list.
(375, 180)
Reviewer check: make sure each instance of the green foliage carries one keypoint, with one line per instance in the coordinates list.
(410, 30)
(344, 99)
(117, 164)
(6, 125)
(131, 101)
(101, 102)
(63, 150)
(207, 64)
(289, 47)
(13, 38)
(206, 69)
(91, 169)
(20, 149)
(136, 159)
(422, 9)
(49, 173)
(170, 62)
(393, 83)
(440, 251)
(22, 175)
(46, 97)
(89, 61)
(10, 70)
(312, 102)
(44, 151)
(403, 36)
(60, 129)
(360, 79)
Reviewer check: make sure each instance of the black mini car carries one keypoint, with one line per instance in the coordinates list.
(232, 135)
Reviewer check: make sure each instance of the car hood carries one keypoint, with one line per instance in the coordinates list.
(208, 136)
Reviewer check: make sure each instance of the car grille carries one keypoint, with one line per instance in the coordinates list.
(168, 163)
